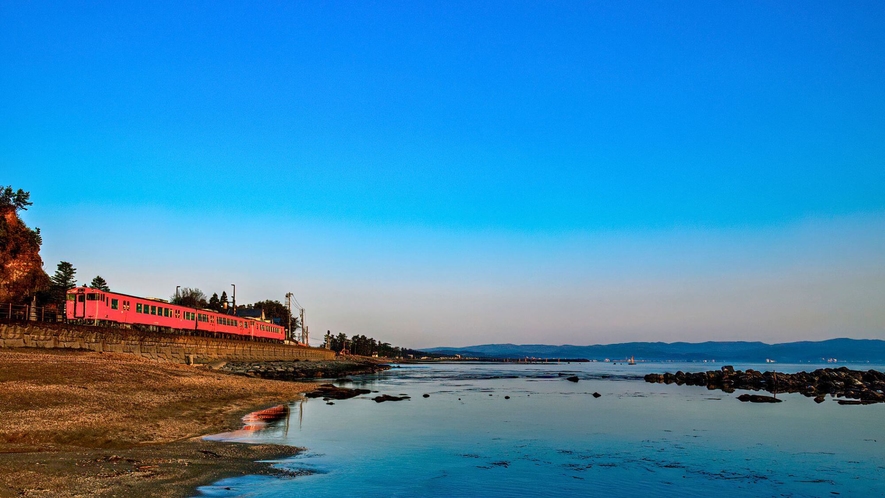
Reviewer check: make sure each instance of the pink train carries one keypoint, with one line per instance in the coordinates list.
(99, 307)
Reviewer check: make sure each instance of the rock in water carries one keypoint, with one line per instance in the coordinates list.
(758, 398)
(856, 402)
(596, 395)
(573, 378)
(329, 391)
(426, 396)
(820, 399)
(387, 397)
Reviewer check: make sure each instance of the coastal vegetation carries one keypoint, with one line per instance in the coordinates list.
(361, 345)
(21, 268)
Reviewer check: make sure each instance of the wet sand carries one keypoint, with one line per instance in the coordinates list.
(90, 424)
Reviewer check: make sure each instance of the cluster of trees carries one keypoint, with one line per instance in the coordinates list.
(17, 199)
(277, 312)
(195, 298)
(65, 279)
(367, 346)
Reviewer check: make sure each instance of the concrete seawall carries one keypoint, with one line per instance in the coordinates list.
(152, 345)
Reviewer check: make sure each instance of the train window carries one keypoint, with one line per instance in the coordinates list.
(115, 304)
(138, 307)
(92, 297)
(71, 297)
(153, 310)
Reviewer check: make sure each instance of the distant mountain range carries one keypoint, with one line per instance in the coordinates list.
(843, 350)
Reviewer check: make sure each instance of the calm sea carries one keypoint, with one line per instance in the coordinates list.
(553, 438)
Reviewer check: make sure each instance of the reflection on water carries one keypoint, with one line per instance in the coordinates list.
(258, 421)
(552, 437)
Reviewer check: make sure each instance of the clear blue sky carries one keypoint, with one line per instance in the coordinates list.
(462, 173)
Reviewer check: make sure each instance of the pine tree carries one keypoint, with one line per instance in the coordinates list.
(214, 302)
(20, 199)
(223, 301)
(64, 276)
(100, 284)
(62, 281)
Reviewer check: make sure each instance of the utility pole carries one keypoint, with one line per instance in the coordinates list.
(235, 298)
(289, 305)
(303, 329)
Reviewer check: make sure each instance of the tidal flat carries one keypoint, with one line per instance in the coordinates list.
(90, 424)
(511, 430)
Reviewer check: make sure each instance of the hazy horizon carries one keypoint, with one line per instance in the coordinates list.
(467, 173)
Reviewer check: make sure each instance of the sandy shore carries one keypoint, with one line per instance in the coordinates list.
(89, 424)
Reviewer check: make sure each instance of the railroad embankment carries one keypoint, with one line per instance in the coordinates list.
(156, 346)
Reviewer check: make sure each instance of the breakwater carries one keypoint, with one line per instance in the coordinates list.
(865, 386)
(156, 346)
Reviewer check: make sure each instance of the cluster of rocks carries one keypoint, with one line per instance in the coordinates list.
(298, 370)
(330, 391)
(860, 387)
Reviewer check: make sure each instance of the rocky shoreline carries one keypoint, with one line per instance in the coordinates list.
(304, 370)
(856, 386)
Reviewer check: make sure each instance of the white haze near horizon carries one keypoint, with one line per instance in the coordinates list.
(417, 287)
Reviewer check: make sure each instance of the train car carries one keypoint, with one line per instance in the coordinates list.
(99, 307)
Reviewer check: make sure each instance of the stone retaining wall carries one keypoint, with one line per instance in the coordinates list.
(153, 345)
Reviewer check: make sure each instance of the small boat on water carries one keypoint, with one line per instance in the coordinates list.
(632, 361)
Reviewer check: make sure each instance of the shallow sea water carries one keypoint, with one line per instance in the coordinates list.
(553, 438)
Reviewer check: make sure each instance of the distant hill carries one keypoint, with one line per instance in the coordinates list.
(844, 350)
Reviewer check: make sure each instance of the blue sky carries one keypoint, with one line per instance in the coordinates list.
(463, 173)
